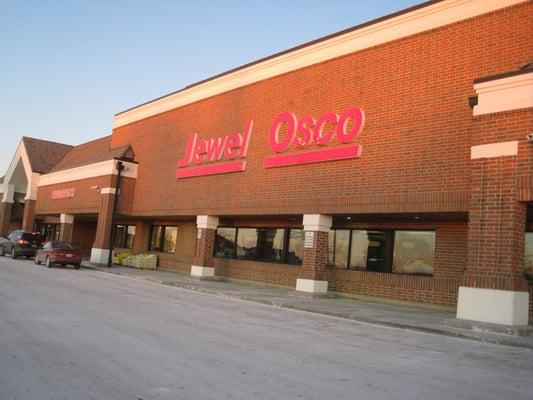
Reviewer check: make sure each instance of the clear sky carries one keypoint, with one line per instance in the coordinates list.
(66, 67)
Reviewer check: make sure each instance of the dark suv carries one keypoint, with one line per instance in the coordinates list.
(20, 243)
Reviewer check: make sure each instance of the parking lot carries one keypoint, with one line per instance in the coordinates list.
(83, 334)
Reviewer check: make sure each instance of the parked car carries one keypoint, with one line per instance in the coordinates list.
(56, 252)
(20, 243)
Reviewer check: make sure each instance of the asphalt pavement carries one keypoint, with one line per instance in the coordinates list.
(83, 334)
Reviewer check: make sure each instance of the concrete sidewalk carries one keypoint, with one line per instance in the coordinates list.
(405, 316)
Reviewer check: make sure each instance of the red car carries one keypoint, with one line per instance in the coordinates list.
(54, 252)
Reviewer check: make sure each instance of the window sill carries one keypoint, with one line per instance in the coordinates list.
(331, 268)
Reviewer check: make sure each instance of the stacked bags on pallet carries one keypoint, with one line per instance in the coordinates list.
(139, 261)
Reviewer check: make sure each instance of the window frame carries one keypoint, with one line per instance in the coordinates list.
(529, 276)
(284, 250)
(391, 234)
(122, 245)
(161, 244)
(393, 244)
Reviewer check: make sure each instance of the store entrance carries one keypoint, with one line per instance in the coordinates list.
(48, 231)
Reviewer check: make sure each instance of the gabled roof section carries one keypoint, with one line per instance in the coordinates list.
(43, 155)
(92, 152)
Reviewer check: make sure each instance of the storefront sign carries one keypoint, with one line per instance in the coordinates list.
(215, 156)
(310, 132)
(63, 194)
(226, 153)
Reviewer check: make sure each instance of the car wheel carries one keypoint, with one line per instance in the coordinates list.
(76, 266)
(36, 260)
(48, 262)
(13, 253)
(2, 251)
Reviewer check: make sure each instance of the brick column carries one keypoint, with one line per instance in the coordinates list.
(205, 243)
(494, 288)
(142, 236)
(6, 207)
(66, 227)
(312, 274)
(5, 217)
(100, 250)
(28, 218)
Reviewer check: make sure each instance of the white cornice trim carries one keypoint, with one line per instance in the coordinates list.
(492, 150)
(8, 195)
(410, 23)
(88, 171)
(32, 178)
(504, 94)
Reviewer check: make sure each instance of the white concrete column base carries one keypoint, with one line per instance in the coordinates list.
(504, 307)
(202, 272)
(99, 256)
(311, 286)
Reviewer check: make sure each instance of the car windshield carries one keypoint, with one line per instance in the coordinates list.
(61, 245)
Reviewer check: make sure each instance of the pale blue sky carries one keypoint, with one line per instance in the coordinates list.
(66, 67)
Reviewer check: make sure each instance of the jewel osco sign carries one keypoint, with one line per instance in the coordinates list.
(305, 135)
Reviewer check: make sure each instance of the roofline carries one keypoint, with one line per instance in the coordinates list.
(411, 21)
(291, 49)
(48, 141)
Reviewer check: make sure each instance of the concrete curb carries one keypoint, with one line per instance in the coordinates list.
(479, 336)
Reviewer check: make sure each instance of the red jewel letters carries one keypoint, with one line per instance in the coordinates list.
(205, 155)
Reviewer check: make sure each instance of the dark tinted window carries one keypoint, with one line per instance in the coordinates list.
(124, 236)
(270, 244)
(295, 252)
(164, 238)
(278, 245)
(30, 236)
(225, 242)
(246, 243)
(528, 254)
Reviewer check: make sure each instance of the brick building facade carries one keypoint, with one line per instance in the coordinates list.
(390, 159)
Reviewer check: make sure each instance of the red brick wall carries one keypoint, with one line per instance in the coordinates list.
(86, 199)
(278, 274)
(416, 143)
(83, 236)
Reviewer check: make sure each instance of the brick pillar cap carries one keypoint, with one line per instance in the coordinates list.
(66, 218)
(206, 222)
(317, 222)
